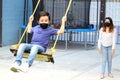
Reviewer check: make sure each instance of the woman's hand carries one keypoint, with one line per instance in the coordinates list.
(99, 50)
(113, 52)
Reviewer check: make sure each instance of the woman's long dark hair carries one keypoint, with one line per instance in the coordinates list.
(111, 25)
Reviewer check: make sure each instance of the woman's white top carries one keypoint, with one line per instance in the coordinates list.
(107, 39)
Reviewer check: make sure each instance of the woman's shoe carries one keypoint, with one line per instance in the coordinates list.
(110, 75)
(101, 76)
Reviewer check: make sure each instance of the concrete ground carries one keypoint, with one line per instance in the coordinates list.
(70, 64)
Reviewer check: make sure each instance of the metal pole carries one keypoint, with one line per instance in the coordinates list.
(26, 19)
(1, 23)
(102, 12)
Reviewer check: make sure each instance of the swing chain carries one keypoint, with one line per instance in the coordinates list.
(17, 45)
(53, 48)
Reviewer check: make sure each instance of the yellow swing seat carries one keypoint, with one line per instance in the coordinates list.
(40, 56)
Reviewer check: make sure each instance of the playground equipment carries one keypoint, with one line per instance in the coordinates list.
(81, 16)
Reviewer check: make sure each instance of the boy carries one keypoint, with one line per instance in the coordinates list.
(41, 35)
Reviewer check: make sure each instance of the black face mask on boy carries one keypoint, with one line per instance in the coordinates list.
(107, 24)
(43, 25)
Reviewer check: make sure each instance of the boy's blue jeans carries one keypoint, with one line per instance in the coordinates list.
(33, 51)
(106, 57)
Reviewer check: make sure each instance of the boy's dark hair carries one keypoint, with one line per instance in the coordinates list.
(43, 13)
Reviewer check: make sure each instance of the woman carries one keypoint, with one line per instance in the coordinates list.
(106, 45)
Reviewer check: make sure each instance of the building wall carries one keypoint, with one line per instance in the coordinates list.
(12, 19)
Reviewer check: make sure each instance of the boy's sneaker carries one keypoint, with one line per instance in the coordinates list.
(15, 67)
(24, 67)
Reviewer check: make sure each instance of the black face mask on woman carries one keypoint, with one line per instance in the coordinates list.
(107, 24)
(43, 25)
